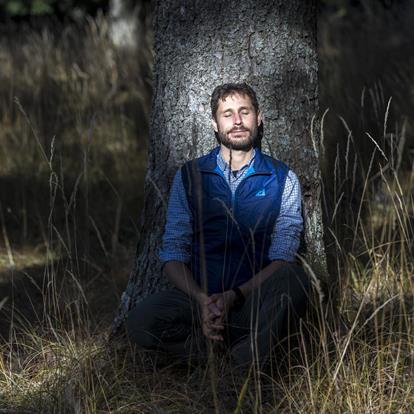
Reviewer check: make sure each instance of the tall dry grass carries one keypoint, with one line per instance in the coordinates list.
(63, 364)
(74, 121)
(68, 175)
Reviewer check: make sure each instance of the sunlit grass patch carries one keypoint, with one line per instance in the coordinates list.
(43, 368)
(24, 258)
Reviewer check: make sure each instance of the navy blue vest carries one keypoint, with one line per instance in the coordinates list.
(231, 233)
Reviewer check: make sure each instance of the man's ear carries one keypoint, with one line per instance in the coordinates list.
(259, 118)
(214, 123)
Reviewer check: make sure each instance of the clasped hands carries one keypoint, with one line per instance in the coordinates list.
(214, 310)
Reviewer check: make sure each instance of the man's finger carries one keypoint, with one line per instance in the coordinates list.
(210, 334)
(216, 326)
(213, 321)
(208, 300)
(220, 304)
(214, 337)
(209, 316)
(214, 309)
(211, 299)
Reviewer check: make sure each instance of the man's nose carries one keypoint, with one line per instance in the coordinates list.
(237, 119)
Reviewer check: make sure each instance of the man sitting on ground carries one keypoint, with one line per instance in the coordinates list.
(232, 233)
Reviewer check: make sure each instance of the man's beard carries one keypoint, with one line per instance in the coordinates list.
(238, 144)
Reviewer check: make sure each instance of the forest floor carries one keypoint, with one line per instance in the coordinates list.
(73, 123)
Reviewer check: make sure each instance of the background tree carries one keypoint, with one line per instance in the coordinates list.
(123, 23)
(127, 22)
(271, 44)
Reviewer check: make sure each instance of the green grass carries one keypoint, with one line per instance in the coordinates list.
(72, 160)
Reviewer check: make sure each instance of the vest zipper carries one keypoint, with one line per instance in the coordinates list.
(232, 195)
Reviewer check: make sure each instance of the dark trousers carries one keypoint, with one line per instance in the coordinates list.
(170, 320)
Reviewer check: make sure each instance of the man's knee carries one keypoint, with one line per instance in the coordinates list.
(141, 326)
(290, 277)
(288, 288)
(164, 316)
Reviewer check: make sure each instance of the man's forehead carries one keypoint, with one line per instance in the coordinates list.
(234, 97)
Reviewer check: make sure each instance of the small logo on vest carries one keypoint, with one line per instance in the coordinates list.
(261, 193)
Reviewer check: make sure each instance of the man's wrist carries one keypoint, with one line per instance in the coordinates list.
(200, 296)
(232, 297)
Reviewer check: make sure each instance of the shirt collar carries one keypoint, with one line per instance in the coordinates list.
(224, 166)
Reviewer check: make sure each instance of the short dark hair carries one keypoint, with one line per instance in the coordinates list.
(228, 89)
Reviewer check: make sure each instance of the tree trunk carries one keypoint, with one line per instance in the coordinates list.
(270, 44)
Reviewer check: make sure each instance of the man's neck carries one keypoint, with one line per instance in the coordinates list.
(238, 158)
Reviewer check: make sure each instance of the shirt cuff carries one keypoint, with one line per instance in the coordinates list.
(283, 254)
(179, 257)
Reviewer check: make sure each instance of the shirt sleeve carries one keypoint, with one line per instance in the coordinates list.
(176, 241)
(289, 224)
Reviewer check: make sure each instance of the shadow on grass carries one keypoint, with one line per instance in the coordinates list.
(53, 294)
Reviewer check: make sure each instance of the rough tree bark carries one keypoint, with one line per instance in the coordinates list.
(271, 44)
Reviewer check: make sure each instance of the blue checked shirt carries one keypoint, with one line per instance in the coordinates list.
(176, 242)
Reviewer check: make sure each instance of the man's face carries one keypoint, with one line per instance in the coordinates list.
(236, 122)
